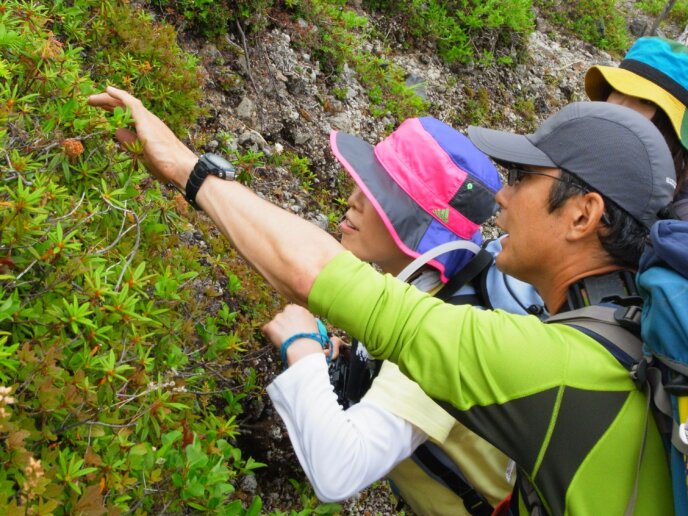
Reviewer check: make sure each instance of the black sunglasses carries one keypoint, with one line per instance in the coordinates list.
(515, 175)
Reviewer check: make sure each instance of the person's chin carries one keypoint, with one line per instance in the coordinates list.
(502, 259)
(348, 240)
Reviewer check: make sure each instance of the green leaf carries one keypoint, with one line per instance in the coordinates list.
(171, 437)
(140, 449)
(328, 508)
(195, 457)
(194, 488)
(255, 507)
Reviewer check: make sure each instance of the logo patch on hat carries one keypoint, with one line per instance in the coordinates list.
(442, 214)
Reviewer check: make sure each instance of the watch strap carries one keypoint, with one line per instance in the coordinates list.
(199, 173)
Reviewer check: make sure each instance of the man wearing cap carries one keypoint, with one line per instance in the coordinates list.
(582, 192)
(653, 80)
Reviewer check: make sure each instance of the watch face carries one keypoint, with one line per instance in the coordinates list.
(219, 166)
(218, 161)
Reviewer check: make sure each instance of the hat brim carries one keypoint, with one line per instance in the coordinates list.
(600, 80)
(508, 148)
(400, 214)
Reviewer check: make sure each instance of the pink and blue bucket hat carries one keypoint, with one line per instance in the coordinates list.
(429, 184)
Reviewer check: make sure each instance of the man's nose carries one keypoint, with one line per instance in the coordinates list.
(502, 196)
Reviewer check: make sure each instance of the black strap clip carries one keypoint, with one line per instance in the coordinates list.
(639, 374)
(628, 318)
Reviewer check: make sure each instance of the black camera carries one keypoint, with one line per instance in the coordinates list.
(352, 373)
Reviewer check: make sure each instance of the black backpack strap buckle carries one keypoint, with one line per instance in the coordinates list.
(628, 318)
(639, 374)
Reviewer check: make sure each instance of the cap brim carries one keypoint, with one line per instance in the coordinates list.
(508, 148)
(600, 80)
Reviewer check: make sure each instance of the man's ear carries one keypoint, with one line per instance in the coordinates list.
(585, 213)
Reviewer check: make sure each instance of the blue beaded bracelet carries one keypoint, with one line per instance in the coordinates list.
(321, 338)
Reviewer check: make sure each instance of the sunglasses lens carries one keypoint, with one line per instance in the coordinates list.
(514, 176)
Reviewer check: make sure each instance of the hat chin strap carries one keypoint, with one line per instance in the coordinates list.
(434, 253)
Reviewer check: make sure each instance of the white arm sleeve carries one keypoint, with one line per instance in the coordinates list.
(341, 451)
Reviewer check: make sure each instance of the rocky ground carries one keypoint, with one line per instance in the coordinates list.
(272, 97)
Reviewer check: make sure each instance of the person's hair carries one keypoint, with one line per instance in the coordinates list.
(623, 238)
(678, 152)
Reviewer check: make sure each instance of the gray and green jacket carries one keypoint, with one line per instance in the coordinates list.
(547, 395)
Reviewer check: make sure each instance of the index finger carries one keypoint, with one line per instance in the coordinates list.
(127, 99)
(104, 101)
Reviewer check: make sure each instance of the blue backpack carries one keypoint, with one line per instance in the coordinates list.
(663, 285)
(649, 336)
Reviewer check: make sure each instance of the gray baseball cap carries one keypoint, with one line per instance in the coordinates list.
(613, 149)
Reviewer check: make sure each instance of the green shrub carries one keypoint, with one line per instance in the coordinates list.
(462, 30)
(678, 13)
(338, 38)
(596, 21)
(213, 18)
(125, 47)
(121, 384)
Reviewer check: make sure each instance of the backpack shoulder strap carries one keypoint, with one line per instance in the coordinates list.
(430, 457)
(480, 262)
(615, 327)
(435, 463)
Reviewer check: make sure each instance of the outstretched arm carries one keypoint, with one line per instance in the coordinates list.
(287, 250)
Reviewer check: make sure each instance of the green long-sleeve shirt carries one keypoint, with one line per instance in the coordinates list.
(547, 395)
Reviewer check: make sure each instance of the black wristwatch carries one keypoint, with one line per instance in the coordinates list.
(208, 164)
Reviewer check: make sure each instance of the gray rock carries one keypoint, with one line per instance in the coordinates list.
(637, 27)
(321, 221)
(280, 76)
(418, 84)
(276, 432)
(348, 73)
(336, 106)
(246, 110)
(210, 53)
(249, 484)
(341, 121)
(301, 137)
(252, 140)
(296, 85)
(187, 236)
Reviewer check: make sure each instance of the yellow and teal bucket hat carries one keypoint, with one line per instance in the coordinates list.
(654, 69)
